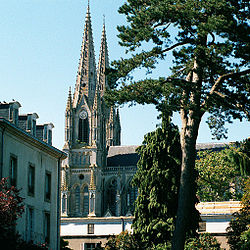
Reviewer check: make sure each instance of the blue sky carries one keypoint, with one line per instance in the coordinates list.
(40, 44)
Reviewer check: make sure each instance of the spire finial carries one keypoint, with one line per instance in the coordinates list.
(92, 185)
(88, 9)
(69, 101)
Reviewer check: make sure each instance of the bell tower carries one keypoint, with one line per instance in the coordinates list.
(90, 126)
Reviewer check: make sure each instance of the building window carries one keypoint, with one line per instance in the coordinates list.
(85, 201)
(47, 186)
(31, 180)
(64, 203)
(112, 192)
(77, 200)
(45, 133)
(13, 171)
(131, 197)
(29, 123)
(34, 127)
(47, 227)
(50, 137)
(16, 116)
(202, 226)
(11, 113)
(83, 130)
(90, 228)
(30, 223)
(89, 246)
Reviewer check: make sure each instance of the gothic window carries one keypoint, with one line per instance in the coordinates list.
(83, 130)
(131, 197)
(85, 201)
(77, 200)
(112, 192)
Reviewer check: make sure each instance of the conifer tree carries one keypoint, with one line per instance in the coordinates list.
(210, 43)
(157, 179)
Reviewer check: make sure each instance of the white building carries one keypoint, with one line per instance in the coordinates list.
(86, 233)
(33, 166)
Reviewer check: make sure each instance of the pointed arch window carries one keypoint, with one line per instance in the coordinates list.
(83, 135)
(77, 200)
(85, 201)
(132, 194)
(112, 193)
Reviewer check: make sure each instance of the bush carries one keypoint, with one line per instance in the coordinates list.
(124, 241)
(203, 242)
(245, 239)
(237, 232)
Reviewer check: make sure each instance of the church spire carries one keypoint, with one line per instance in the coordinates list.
(103, 62)
(86, 74)
(69, 101)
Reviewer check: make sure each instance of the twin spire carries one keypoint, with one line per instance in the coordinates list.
(87, 80)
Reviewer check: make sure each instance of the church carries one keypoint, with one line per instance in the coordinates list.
(96, 176)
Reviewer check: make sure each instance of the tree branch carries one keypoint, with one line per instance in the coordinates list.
(175, 45)
(219, 81)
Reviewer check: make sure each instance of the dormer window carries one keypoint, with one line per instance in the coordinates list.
(47, 132)
(50, 137)
(15, 116)
(29, 123)
(11, 113)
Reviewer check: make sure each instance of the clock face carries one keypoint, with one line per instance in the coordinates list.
(83, 114)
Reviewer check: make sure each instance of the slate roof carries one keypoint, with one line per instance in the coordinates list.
(122, 156)
(126, 155)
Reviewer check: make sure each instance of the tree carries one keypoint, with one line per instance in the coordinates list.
(240, 156)
(219, 176)
(11, 208)
(157, 179)
(124, 240)
(203, 242)
(238, 230)
(64, 244)
(210, 44)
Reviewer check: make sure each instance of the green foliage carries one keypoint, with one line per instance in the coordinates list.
(219, 176)
(157, 179)
(203, 242)
(238, 230)
(240, 155)
(209, 41)
(246, 197)
(204, 37)
(124, 241)
(245, 239)
(64, 244)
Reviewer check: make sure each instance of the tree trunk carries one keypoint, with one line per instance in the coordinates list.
(186, 200)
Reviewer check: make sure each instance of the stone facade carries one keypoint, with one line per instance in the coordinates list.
(91, 185)
(33, 166)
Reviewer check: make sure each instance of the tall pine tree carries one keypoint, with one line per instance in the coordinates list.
(209, 40)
